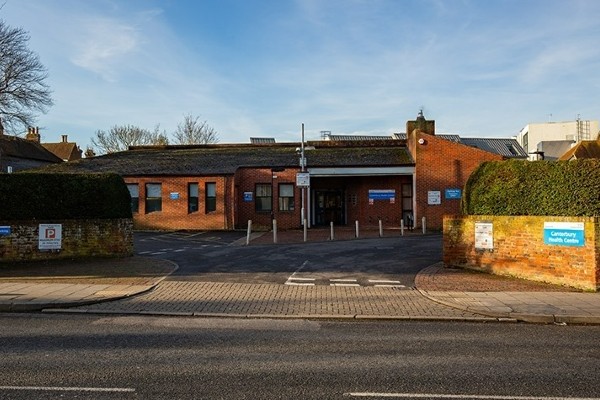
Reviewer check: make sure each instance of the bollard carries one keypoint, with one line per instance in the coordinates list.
(380, 229)
(356, 229)
(305, 231)
(249, 232)
(331, 231)
(424, 226)
(401, 227)
(274, 231)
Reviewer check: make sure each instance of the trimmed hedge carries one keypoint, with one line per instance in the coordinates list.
(561, 188)
(27, 195)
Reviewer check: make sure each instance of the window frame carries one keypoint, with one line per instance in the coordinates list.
(153, 203)
(193, 201)
(210, 197)
(284, 205)
(135, 201)
(260, 203)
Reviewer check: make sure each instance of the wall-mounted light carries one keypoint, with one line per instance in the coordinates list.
(421, 141)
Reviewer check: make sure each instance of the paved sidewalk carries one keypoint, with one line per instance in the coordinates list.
(440, 294)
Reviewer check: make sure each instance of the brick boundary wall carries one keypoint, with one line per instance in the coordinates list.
(80, 239)
(519, 250)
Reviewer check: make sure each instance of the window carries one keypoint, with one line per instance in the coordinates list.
(264, 200)
(192, 197)
(134, 192)
(211, 197)
(153, 197)
(286, 197)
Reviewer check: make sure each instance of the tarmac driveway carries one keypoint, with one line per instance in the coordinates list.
(219, 257)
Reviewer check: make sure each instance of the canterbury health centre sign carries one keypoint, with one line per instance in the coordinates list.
(564, 233)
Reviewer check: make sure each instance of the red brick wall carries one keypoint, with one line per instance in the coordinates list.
(246, 180)
(351, 187)
(174, 213)
(80, 239)
(520, 251)
(441, 164)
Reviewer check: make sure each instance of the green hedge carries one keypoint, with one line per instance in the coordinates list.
(561, 188)
(26, 196)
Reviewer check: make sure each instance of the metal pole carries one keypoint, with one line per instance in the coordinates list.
(302, 162)
(423, 224)
(331, 237)
(402, 227)
(304, 231)
(249, 232)
(380, 228)
(274, 231)
(356, 223)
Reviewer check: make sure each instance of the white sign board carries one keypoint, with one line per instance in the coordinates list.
(303, 179)
(484, 235)
(50, 237)
(434, 197)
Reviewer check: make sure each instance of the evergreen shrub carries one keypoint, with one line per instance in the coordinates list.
(516, 187)
(43, 196)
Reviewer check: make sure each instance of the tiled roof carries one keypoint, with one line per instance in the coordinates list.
(446, 136)
(26, 149)
(583, 149)
(509, 148)
(358, 137)
(64, 150)
(226, 159)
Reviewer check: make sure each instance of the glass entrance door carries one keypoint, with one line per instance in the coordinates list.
(329, 207)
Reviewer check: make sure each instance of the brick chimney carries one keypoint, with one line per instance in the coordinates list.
(421, 124)
(64, 138)
(33, 134)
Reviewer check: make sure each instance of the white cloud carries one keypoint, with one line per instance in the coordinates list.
(103, 46)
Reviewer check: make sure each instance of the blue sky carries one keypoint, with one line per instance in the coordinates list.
(263, 67)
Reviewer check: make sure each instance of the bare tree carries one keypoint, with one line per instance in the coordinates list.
(23, 91)
(119, 138)
(194, 131)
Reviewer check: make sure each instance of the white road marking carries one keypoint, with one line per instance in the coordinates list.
(300, 279)
(343, 280)
(299, 284)
(179, 250)
(157, 253)
(144, 252)
(382, 281)
(66, 389)
(462, 396)
(391, 286)
(344, 284)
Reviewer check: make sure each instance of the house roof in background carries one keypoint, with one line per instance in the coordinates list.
(226, 159)
(64, 150)
(447, 136)
(583, 149)
(508, 148)
(17, 147)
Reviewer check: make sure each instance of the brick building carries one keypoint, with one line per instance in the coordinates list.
(222, 186)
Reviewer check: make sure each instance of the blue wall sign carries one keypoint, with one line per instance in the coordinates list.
(247, 196)
(387, 194)
(564, 233)
(452, 194)
(4, 230)
(174, 195)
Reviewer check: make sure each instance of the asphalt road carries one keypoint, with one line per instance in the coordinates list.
(127, 357)
(211, 256)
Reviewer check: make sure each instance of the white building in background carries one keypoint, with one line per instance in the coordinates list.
(540, 137)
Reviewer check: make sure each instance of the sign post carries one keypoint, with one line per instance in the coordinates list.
(50, 237)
